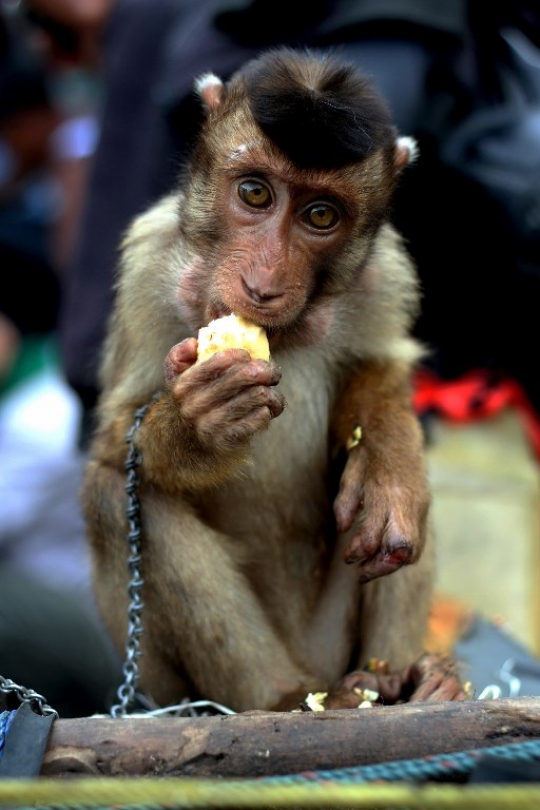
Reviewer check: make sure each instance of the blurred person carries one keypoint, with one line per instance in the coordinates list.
(50, 637)
(459, 77)
(73, 28)
(68, 34)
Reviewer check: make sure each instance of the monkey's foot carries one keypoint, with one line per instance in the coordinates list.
(431, 677)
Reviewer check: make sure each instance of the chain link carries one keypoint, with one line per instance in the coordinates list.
(37, 702)
(126, 692)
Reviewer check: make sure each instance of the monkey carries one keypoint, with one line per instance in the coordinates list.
(286, 537)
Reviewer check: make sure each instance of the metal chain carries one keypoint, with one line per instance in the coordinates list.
(37, 702)
(126, 692)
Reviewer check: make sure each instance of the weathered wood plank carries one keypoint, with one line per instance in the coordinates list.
(263, 744)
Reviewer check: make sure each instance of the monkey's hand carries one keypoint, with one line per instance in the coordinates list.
(224, 400)
(386, 512)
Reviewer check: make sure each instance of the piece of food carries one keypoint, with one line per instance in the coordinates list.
(315, 701)
(367, 697)
(232, 332)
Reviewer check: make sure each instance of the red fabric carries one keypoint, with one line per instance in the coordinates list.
(476, 395)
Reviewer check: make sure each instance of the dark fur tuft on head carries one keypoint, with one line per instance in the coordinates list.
(322, 112)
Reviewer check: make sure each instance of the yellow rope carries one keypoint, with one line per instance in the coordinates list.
(192, 793)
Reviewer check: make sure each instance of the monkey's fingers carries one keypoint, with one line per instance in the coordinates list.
(256, 371)
(237, 420)
(350, 498)
(385, 563)
(389, 530)
(220, 379)
(180, 358)
(245, 402)
(392, 554)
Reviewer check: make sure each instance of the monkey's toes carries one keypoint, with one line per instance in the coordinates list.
(361, 685)
(434, 678)
(430, 678)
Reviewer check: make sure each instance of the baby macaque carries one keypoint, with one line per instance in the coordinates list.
(284, 502)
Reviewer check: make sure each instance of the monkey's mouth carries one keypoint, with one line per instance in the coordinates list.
(257, 316)
(218, 311)
(274, 320)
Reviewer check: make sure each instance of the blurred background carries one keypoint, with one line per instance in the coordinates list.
(96, 116)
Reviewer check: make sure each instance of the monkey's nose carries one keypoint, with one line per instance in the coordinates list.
(258, 295)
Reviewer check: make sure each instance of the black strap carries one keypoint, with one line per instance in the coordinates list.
(25, 743)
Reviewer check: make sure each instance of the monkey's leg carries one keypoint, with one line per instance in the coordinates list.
(385, 619)
(332, 630)
(383, 502)
(393, 626)
(203, 623)
(394, 613)
(381, 512)
(388, 619)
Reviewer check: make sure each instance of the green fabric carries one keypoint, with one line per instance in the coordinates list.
(36, 352)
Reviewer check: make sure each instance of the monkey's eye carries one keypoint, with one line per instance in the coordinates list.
(321, 216)
(255, 194)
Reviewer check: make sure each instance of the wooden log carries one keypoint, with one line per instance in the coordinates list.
(257, 744)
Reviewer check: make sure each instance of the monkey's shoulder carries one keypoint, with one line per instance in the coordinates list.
(158, 221)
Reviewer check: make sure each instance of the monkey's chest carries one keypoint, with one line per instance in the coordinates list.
(278, 511)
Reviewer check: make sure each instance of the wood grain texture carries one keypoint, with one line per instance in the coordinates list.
(270, 743)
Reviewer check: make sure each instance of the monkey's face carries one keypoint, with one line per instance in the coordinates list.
(291, 177)
(284, 241)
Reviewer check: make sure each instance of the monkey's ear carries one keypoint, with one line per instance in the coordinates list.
(211, 90)
(406, 151)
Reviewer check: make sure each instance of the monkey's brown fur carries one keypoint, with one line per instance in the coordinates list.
(248, 600)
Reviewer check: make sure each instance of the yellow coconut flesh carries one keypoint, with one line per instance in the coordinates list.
(232, 332)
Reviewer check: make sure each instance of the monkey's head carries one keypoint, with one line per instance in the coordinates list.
(290, 180)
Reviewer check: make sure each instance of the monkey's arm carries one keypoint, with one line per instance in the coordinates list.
(383, 497)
